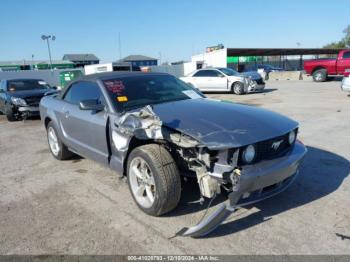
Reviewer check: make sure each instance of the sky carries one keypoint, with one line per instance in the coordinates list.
(170, 30)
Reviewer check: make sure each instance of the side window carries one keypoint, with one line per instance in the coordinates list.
(346, 55)
(83, 91)
(207, 73)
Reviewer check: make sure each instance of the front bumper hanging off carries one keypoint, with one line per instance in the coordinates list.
(27, 111)
(256, 184)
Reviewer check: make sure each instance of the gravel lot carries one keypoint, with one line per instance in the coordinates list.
(80, 207)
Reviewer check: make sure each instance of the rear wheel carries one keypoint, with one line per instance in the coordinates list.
(153, 179)
(57, 148)
(238, 88)
(320, 75)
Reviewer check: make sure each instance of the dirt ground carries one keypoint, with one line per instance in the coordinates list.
(80, 207)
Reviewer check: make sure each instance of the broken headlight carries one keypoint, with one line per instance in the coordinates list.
(248, 154)
(18, 101)
(291, 137)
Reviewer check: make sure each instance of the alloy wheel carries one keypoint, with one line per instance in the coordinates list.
(53, 141)
(142, 182)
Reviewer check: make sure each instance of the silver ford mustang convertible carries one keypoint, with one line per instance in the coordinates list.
(155, 129)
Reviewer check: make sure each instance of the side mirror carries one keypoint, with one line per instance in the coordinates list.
(91, 104)
(52, 92)
(54, 87)
(221, 76)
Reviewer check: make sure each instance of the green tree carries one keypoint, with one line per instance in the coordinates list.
(346, 38)
(343, 43)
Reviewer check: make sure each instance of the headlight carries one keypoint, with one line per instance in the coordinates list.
(291, 137)
(248, 154)
(18, 101)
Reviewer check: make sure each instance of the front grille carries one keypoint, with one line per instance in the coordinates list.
(272, 148)
(33, 101)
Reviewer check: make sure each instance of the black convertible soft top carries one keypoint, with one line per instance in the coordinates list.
(118, 74)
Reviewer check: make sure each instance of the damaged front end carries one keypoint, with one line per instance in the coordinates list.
(215, 167)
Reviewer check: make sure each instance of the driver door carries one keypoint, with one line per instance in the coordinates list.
(84, 131)
(210, 80)
(344, 63)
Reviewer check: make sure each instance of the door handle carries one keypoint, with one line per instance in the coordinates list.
(66, 114)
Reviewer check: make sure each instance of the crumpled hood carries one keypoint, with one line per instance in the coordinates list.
(252, 74)
(222, 124)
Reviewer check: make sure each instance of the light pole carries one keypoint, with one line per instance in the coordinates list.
(32, 61)
(47, 38)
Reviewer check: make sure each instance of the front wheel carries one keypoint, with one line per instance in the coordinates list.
(153, 179)
(238, 88)
(9, 113)
(10, 116)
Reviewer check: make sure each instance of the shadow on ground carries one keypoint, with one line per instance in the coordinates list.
(266, 90)
(321, 173)
(335, 79)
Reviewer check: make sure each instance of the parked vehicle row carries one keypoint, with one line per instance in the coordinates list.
(155, 129)
(225, 79)
(320, 69)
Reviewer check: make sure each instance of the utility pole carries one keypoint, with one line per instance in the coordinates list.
(119, 47)
(47, 38)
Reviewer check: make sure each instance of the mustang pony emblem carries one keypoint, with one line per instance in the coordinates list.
(276, 145)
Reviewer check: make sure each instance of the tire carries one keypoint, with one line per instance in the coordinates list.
(9, 113)
(62, 152)
(238, 88)
(320, 75)
(162, 175)
(10, 116)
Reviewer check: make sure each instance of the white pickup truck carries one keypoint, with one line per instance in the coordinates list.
(225, 79)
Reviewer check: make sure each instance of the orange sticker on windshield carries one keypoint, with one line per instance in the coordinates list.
(122, 99)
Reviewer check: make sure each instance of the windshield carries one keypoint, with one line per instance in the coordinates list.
(229, 71)
(138, 91)
(28, 84)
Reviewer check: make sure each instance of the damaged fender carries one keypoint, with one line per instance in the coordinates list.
(143, 124)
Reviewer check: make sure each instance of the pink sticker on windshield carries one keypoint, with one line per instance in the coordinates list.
(115, 86)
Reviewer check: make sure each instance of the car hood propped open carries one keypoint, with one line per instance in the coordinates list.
(222, 124)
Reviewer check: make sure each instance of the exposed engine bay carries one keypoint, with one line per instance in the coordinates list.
(216, 168)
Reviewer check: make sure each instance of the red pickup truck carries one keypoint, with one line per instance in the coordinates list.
(320, 69)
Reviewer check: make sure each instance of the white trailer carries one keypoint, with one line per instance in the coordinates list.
(99, 68)
(108, 67)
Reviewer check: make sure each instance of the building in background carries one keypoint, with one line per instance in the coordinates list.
(34, 65)
(242, 58)
(138, 61)
(81, 60)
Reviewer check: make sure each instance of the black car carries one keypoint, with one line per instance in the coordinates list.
(20, 98)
